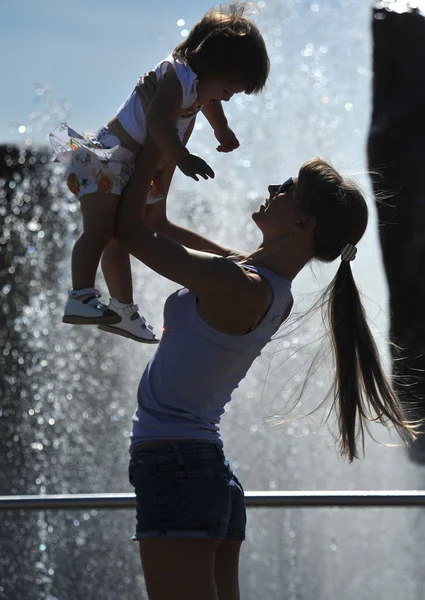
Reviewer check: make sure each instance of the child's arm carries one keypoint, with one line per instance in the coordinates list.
(161, 117)
(214, 113)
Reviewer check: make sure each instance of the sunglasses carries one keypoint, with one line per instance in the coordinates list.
(285, 186)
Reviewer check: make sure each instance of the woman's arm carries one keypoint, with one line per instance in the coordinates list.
(157, 220)
(212, 278)
(156, 214)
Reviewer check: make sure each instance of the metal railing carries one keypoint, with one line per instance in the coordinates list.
(260, 499)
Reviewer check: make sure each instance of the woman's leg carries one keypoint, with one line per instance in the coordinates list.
(132, 209)
(227, 570)
(180, 568)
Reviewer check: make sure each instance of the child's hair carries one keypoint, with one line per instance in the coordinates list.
(225, 43)
(360, 389)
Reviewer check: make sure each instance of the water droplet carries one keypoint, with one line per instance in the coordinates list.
(181, 22)
(184, 32)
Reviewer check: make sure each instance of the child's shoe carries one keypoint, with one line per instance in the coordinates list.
(84, 308)
(132, 325)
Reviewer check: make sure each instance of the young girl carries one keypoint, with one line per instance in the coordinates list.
(223, 55)
(190, 504)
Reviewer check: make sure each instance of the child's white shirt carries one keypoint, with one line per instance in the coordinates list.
(131, 114)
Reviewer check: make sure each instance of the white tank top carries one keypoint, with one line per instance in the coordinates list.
(196, 368)
(131, 114)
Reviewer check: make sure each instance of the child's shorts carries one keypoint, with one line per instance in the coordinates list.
(187, 490)
(97, 163)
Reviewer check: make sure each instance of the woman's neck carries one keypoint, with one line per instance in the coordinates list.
(285, 258)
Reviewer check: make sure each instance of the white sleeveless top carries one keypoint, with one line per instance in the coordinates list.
(196, 368)
(131, 114)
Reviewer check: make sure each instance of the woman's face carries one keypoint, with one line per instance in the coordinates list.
(280, 212)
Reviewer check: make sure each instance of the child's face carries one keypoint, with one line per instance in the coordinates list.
(217, 90)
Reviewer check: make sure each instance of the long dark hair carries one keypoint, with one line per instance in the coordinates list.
(225, 43)
(361, 390)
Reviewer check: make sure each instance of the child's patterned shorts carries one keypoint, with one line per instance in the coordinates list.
(97, 163)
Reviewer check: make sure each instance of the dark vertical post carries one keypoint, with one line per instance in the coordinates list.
(396, 151)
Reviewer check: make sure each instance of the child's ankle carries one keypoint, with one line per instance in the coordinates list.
(120, 304)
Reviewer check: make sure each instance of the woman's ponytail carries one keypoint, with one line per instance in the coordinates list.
(361, 390)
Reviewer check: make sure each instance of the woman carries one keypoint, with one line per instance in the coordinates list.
(190, 505)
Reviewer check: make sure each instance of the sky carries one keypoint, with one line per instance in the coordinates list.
(85, 54)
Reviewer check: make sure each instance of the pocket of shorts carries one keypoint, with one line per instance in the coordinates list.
(204, 496)
(138, 474)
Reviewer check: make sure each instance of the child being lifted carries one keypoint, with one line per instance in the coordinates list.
(224, 54)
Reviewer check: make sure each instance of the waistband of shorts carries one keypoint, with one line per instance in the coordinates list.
(180, 449)
(110, 135)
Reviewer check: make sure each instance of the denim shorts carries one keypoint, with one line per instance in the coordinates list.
(187, 490)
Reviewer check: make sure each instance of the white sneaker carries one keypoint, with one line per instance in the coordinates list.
(84, 308)
(132, 325)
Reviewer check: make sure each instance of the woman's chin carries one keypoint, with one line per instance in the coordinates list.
(256, 215)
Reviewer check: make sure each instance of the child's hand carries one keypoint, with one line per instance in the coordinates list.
(192, 166)
(228, 140)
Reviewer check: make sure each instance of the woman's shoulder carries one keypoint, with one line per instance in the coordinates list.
(275, 279)
(240, 306)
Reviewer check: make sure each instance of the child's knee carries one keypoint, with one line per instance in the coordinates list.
(99, 236)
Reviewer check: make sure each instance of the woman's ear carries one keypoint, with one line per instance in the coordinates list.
(307, 224)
